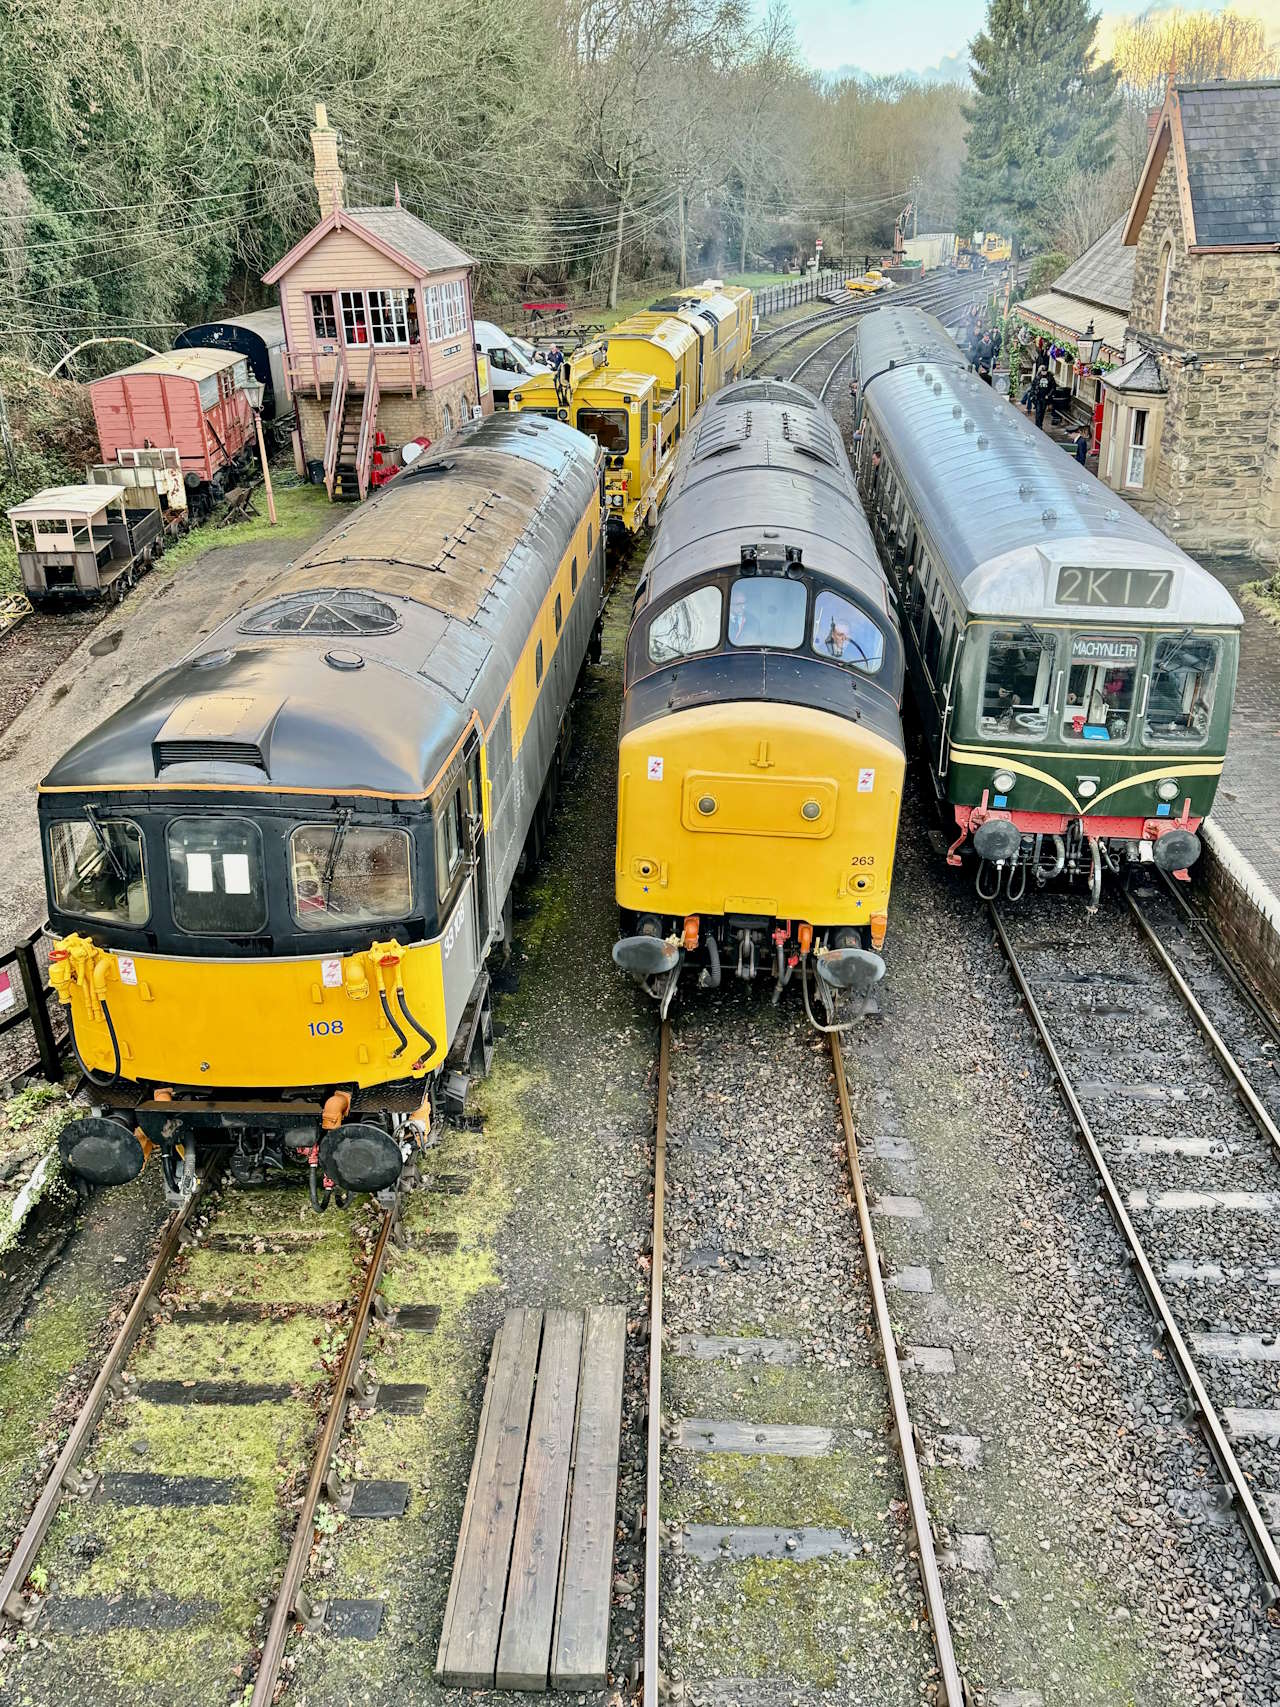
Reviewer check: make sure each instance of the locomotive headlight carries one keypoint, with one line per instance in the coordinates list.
(811, 810)
(1086, 786)
(1168, 788)
(1003, 781)
(706, 804)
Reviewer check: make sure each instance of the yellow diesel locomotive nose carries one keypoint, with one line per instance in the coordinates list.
(751, 809)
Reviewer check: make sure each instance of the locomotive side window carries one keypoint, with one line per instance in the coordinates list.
(1184, 674)
(349, 876)
(1018, 684)
(216, 879)
(608, 427)
(448, 843)
(691, 624)
(841, 630)
(1100, 686)
(98, 870)
(765, 610)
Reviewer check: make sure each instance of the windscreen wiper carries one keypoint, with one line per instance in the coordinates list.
(90, 813)
(335, 848)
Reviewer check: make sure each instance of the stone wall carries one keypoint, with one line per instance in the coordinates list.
(1217, 484)
(1242, 910)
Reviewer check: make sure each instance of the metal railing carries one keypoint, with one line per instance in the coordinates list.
(773, 299)
(34, 1009)
(401, 367)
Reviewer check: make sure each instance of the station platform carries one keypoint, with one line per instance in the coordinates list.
(1240, 878)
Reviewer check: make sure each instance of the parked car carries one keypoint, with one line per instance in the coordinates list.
(509, 366)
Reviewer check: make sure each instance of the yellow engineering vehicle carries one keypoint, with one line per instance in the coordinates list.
(638, 390)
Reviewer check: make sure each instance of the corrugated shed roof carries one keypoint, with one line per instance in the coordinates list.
(409, 236)
(1232, 136)
(1067, 315)
(1104, 273)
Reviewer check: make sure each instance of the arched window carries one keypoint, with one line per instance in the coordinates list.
(447, 416)
(1166, 269)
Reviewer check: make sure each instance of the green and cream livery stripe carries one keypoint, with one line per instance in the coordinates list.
(995, 758)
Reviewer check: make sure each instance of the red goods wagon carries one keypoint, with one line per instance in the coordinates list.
(192, 400)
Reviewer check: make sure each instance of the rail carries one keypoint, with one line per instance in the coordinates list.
(35, 1012)
(1201, 1405)
(62, 1478)
(288, 1608)
(951, 1687)
(653, 1448)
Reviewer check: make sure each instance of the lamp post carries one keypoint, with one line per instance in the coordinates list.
(255, 391)
(1090, 346)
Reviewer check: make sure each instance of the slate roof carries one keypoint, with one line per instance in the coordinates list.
(1232, 137)
(1142, 374)
(409, 236)
(1103, 274)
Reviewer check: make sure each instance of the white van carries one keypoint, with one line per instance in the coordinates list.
(509, 367)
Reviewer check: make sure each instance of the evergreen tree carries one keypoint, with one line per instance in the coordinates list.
(1044, 110)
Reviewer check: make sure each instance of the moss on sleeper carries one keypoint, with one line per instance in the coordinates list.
(259, 1441)
(317, 1274)
(32, 1372)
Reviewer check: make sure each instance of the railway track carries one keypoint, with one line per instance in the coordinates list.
(218, 1412)
(1180, 1126)
(723, 1523)
(940, 297)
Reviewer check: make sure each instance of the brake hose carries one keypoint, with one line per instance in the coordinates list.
(391, 1021)
(108, 1079)
(407, 1011)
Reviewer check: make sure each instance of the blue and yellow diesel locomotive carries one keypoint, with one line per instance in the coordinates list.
(761, 758)
(1072, 668)
(276, 873)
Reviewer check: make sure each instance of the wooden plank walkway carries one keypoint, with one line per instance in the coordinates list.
(528, 1605)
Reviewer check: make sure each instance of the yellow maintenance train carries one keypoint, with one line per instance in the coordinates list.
(761, 756)
(275, 875)
(636, 391)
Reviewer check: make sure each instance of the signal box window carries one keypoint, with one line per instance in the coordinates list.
(1184, 675)
(1104, 672)
(216, 882)
(98, 871)
(608, 427)
(1018, 684)
(843, 632)
(691, 624)
(349, 876)
(765, 610)
(324, 319)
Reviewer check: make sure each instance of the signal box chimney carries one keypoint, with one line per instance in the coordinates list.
(328, 173)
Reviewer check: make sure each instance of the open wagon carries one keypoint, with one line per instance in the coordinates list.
(83, 542)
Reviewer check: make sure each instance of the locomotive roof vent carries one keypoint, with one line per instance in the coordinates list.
(212, 660)
(1024, 489)
(956, 411)
(1048, 517)
(216, 728)
(344, 660)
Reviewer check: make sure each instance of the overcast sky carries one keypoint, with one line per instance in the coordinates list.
(881, 36)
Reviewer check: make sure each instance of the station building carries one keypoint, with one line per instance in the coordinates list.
(380, 341)
(1191, 424)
